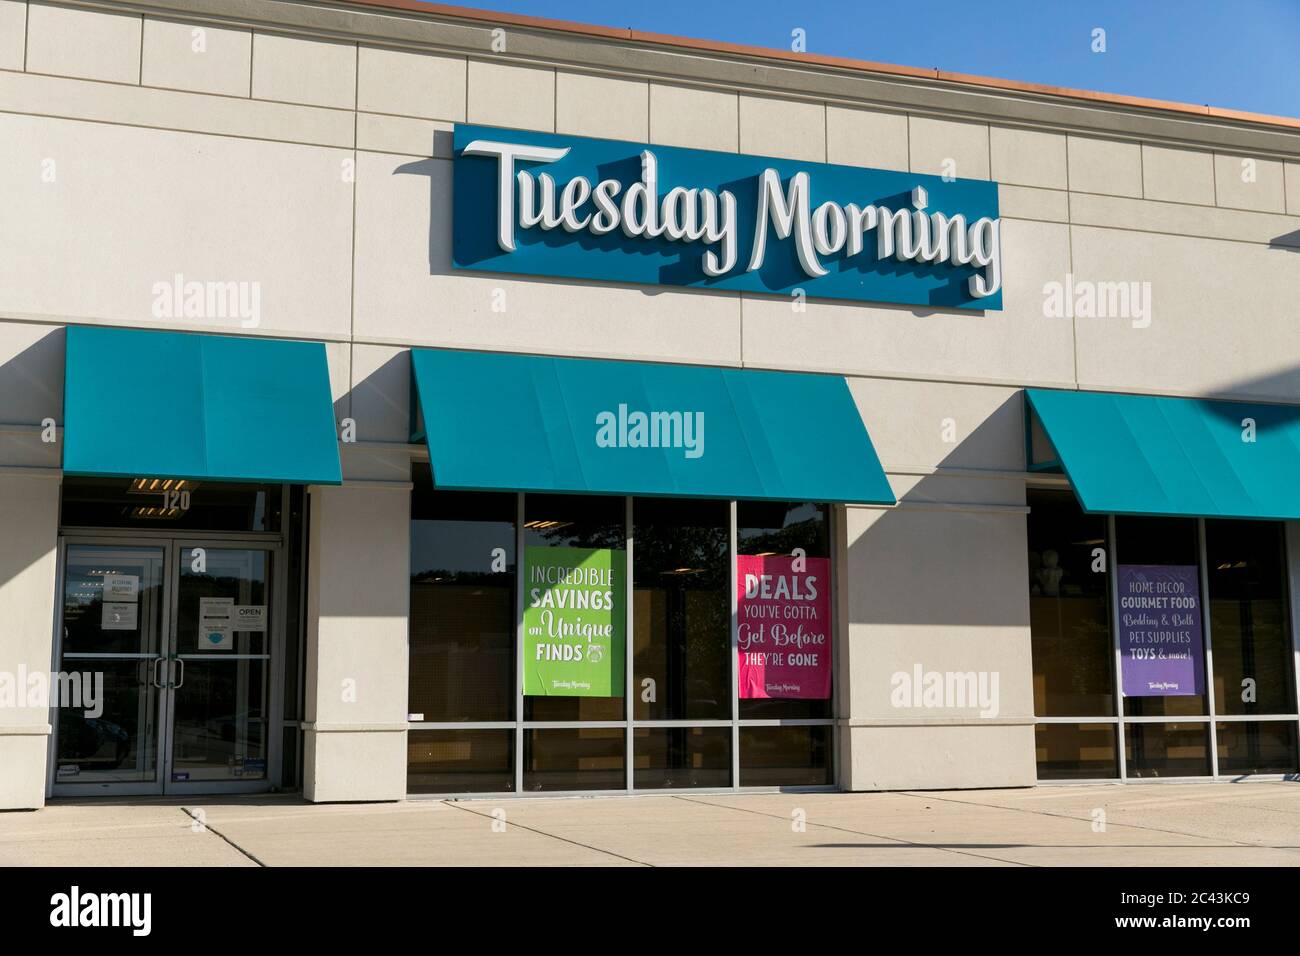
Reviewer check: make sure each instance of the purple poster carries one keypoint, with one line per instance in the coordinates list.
(1160, 630)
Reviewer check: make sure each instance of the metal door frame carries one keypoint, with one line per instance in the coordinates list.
(274, 663)
(155, 788)
(171, 546)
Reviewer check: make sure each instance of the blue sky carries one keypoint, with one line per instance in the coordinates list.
(1241, 54)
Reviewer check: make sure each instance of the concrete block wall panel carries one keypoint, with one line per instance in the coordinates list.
(276, 217)
(520, 97)
(1177, 175)
(310, 72)
(1104, 166)
(91, 44)
(381, 392)
(960, 608)
(1247, 182)
(198, 58)
(31, 373)
(870, 138)
(406, 83)
(114, 104)
(1025, 157)
(694, 118)
(943, 147)
(1017, 345)
(31, 394)
(355, 729)
(789, 129)
(13, 34)
(939, 757)
(1221, 316)
(1292, 177)
(29, 514)
(602, 106)
(927, 425)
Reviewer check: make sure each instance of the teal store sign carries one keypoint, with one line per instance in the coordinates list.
(569, 206)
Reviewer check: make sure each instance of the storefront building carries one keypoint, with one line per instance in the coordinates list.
(401, 400)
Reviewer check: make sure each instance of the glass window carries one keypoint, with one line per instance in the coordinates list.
(776, 528)
(785, 756)
(1254, 666)
(460, 761)
(1076, 751)
(465, 622)
(463, 617)
(1161, 541)
(578, 758)
(170, 504)
(1069, 610)
(577, 521)
(1167, 750)
(681, 611)
(1249, 747)
(666, 758)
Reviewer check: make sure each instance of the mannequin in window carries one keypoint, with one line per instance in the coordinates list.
(1050, 574)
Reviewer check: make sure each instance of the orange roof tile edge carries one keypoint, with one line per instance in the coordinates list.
(814, 59)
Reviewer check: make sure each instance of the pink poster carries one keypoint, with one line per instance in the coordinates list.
(785, 626)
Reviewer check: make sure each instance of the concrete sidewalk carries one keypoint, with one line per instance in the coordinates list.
(1255, 824)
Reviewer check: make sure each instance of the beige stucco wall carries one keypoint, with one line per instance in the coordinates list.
(308, 150)
(29, 515)
(358, 596)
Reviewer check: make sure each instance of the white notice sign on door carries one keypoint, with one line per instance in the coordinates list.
(248, 617)
(119, 616)
(122, 587)
(215, 630)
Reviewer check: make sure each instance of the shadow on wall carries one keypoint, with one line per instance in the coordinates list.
(380, 402)
(1289, 241)
(31, 382)
(953, 552)
(939, 559)
(31, 389)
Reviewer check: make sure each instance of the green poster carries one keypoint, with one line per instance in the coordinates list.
(574, 619)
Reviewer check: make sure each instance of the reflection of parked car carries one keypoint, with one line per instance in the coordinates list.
(89, 736)
(223, 727)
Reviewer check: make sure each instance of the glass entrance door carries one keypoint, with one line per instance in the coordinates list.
(172, 641)
(222, 657)
(112, 645)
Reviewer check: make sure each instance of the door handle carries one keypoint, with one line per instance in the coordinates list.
(156, 682)
(180, 683)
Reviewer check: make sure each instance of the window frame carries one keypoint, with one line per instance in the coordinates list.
(1211, 719)
(629, 723)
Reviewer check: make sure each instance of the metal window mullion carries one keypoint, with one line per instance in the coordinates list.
(735, 645)
(1113, 571)
(628, 643)
(519, 642)
(1207, 636)
(1252, 718)
(1291, 538)
(836, 520)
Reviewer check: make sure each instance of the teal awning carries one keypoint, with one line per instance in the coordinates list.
(202, 407)
(509, 422)
(1151, 455)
